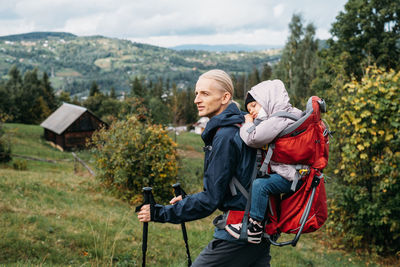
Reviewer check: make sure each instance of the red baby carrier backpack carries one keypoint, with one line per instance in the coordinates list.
(305, 143)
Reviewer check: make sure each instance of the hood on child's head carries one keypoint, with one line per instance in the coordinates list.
(272, 96)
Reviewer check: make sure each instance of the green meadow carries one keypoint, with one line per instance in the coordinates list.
(53, 214)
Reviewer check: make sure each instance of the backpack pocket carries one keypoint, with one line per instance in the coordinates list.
(298, 149)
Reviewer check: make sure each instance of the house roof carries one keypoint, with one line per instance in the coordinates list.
(202, 122)
(63, 117)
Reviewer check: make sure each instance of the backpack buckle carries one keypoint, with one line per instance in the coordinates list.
(304, 172)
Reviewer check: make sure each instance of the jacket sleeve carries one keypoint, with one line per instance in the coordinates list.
(221, 166)
(264, 133)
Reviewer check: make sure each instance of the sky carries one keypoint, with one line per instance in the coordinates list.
(169, 23)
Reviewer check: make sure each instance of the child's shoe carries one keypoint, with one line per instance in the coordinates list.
(254, 231)
(234, 229)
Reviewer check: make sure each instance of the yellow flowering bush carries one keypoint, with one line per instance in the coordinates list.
(131, 154)
(365, 210)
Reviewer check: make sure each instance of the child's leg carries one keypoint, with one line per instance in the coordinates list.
(261, 188)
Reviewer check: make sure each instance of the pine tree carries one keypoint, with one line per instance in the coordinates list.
(94, 89)
(48, 93)
(113, 94)
(137, 88)
(254, 77)
(297, 67)
(266, 72)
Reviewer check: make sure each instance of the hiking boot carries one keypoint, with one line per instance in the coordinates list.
(254, 231)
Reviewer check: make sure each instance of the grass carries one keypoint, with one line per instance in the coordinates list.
(51, 216)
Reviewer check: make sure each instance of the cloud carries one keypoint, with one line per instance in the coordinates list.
(278, 10)
(255, 37)
(206, 20)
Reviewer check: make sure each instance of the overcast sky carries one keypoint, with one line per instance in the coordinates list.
(170, 22)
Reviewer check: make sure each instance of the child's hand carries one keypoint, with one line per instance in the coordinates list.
(248, 118)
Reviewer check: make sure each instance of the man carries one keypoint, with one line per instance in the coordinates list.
(226, 156)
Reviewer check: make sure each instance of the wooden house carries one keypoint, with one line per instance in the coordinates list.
(69, 126)
(200, 125)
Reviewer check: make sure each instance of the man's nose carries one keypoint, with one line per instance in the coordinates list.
(197, 99)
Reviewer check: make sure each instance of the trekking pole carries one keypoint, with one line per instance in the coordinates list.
(147, 199)
(179, 192)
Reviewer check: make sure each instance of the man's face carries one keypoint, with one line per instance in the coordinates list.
(210, 100)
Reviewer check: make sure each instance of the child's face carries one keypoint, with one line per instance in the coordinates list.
(253, 108)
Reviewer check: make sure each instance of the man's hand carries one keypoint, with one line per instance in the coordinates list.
(144, 213)
(175, 199)
(248, 118)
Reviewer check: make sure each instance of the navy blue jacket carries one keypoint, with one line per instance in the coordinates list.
(226, 156)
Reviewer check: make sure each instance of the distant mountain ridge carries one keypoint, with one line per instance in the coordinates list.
(225, 48)
(74, 62)
(36, 36)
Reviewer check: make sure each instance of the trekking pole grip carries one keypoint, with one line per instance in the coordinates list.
(177, 189)
(147, 194)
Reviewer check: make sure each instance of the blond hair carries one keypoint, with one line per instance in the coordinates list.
(222, 78)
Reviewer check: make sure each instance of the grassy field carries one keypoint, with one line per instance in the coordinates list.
(52, 216)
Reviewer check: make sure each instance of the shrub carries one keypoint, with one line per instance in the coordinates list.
(131, 155)
(366, 209)
(20, 165)
(5, 147)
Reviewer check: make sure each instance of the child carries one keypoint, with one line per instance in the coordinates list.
(260, 129)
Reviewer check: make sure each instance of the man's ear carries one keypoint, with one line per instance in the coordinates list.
(226, 97)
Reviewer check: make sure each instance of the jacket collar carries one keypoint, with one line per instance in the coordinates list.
(230, 116)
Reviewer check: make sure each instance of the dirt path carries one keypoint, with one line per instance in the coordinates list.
(190, 153)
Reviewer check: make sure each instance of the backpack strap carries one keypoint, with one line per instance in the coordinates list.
(236, 184)
(245, 220)
(284, 114)
(264, 166)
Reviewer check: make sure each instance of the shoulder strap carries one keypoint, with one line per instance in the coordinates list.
(243, 233)
(236, 184)
(296, 124)
(284, 114)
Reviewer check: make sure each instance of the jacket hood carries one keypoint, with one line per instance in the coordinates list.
(230, 116)
(272, 96)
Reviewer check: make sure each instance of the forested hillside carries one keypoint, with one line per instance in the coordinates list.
(73, 62)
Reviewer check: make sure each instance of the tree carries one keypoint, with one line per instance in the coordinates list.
(32, 106)
(48, 92)
(5, 146)
(298, 64)
(13, 88)
(367, 31)
(266, 72)
(94, 89)
(113, 94)
(159, 111)
(137, 89)
(365, 208)
(254, 77)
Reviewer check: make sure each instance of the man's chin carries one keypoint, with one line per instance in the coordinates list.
(202, 114)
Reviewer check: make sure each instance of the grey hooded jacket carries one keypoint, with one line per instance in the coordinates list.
(273, 97)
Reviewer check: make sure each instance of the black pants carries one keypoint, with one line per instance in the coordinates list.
(223, 253)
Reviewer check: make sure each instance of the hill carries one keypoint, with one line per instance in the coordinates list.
(73, 62)
(225, 48)
(53, 216)
(36, 36)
